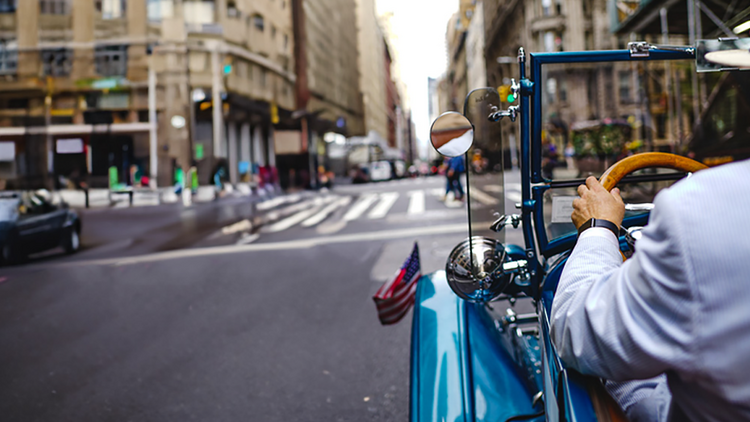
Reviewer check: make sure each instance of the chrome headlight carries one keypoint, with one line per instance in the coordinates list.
(475, 269)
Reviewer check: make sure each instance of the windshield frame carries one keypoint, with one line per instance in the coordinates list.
(531, 143)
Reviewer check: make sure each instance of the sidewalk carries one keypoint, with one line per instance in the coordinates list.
(100, 197)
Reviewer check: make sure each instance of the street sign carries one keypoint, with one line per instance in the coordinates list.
(69, 146)
(7, 151)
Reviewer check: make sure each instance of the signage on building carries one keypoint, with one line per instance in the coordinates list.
(69, 146)
(288, 142)
(7, 151)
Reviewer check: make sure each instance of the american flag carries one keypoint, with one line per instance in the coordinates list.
(394, 298)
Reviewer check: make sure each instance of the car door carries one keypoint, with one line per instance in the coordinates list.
(36, 226)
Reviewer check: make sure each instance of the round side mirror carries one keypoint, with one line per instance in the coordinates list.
(452, 134)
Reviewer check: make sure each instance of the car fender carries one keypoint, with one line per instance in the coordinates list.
(459, 372)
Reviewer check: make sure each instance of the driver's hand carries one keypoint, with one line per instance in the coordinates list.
(596, 202)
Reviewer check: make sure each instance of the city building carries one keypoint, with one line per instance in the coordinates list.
(476, 70)
(374, 78)
(143, 87)
(328, 81)
(702, 108)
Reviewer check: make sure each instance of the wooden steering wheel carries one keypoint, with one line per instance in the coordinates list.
(620, 169)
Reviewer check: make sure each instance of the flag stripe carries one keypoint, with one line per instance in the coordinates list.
(386, 307)
(394, 298)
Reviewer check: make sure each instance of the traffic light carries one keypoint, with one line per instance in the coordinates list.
(274, 113)
(227, 65)
(506, 94)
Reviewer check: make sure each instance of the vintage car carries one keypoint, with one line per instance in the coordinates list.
(476, 354)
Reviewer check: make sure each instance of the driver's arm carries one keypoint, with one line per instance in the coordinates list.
(633, 320)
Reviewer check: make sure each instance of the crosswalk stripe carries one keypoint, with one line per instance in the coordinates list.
(416, 203)
(482, 197)
(514, 186)
(360, 207)
(514, 196)
(299, 217)
(493, 188)
(246, 240)
(271, 203)
(317, 218)
(386, 202)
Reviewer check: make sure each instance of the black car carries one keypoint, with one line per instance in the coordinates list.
(31, 223)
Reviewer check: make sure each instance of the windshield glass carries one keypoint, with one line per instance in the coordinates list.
(596, 114)
(484, 164)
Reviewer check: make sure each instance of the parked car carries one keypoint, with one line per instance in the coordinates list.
(31, 223)
(379, 171)
(398, 168)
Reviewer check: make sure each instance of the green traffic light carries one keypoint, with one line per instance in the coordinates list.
(227, 69)
(511, 98)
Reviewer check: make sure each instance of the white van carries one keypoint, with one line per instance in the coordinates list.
(380, 170)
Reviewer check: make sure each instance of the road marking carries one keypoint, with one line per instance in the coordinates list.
(275, 202)
(365, 201)
(437, 192)
(482, 197)
(493, 188)
(294, 244)
(317, 218)
(276, 214)
(514, 186)
(416, 203)
(250, 238)
(386, 202)
(299, 217)
(514, 196)
(240, 226)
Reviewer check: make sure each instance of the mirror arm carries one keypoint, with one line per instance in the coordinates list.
(505, 220)
(643, 48)
(497, 115)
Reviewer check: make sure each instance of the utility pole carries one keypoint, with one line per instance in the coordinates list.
(152, 136)
(216, 101)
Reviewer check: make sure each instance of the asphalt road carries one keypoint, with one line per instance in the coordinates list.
(205, 314)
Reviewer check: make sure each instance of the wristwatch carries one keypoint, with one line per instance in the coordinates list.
(595, 222)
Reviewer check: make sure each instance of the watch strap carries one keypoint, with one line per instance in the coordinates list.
(595, 222)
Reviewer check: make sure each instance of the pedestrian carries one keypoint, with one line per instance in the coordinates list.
(453, 172)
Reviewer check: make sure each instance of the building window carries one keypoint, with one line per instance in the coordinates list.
(283, 4)
(546, 7)
(56, 62)
(54, 7)
(263, 76)
(111, 60)
(8, 6)
(273, 32)
(159, 9)
(232, 11)
(199, 11)
(624, 86)
(286, 41)
(553, 42)
(8, 57)
(259, 23)
(112, 9)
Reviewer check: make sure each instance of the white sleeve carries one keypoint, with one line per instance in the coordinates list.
(632, 320)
